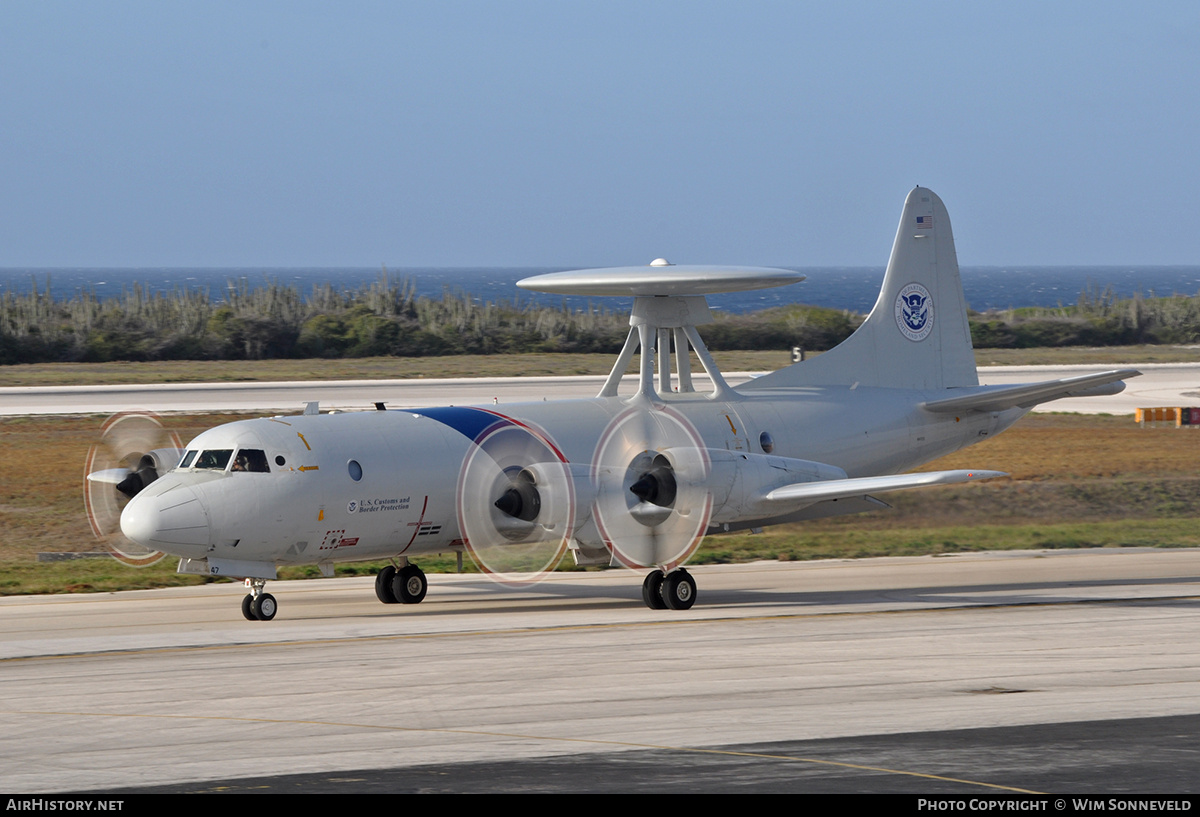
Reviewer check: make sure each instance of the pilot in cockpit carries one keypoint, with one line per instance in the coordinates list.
(250, 459)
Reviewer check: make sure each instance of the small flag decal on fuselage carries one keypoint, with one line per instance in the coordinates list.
(924, 222)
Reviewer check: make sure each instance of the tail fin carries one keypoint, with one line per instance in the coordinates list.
(916, 336)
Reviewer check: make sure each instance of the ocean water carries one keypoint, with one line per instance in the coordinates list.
(853, 288)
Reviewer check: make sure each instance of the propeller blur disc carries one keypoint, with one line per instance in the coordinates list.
(124, 439)
(516, 503)
(650, 469)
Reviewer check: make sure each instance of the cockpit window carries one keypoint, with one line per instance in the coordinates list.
(250, 459)
(187, 459)
(215, 458)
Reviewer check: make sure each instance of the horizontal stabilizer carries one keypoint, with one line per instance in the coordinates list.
(1026, 395)
(860, 486)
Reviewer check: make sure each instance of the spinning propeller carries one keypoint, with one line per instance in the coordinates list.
(650, 472)
(133, 451)
(516, 503)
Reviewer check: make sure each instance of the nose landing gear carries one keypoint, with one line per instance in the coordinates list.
(257, 605)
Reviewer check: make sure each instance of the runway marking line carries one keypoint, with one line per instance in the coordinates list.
(543, 738)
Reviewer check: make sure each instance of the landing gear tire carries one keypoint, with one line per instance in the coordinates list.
(264, 607)
(679, 590)
(383, 585)
(409, 585)
(652, 590)
(248, 608)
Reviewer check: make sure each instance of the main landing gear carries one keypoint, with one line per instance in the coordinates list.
(675, 590)
(407, 585)
(259, 606)
(404, 586)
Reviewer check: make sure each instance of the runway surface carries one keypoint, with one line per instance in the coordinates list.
(979, 673)
(1166, 384)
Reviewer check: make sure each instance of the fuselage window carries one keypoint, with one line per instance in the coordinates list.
(216, 458)
(251, 459)
(187, 459)
(766, 442)
(355, 470)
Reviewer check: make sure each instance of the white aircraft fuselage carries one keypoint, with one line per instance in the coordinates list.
(404, 502)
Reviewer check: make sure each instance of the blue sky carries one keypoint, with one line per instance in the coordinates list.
(559, 133)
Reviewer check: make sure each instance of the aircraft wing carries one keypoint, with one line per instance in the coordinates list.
(1025, 395)
(860, 486)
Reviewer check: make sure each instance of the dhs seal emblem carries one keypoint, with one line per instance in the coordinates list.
(914, 312)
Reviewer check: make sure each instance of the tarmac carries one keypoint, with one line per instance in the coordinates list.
(1000, 673)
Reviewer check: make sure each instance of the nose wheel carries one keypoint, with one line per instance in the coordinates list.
(675, 590)
(257, 605)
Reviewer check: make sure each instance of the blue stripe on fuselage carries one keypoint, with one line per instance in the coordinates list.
(472, 423)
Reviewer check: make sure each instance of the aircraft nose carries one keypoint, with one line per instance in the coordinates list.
(167, 516)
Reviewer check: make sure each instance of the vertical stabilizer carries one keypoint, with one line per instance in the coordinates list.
(916, 336)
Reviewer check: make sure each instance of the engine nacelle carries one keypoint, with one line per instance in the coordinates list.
(739, 482)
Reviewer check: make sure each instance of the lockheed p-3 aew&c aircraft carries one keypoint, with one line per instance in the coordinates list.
(634, 480)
